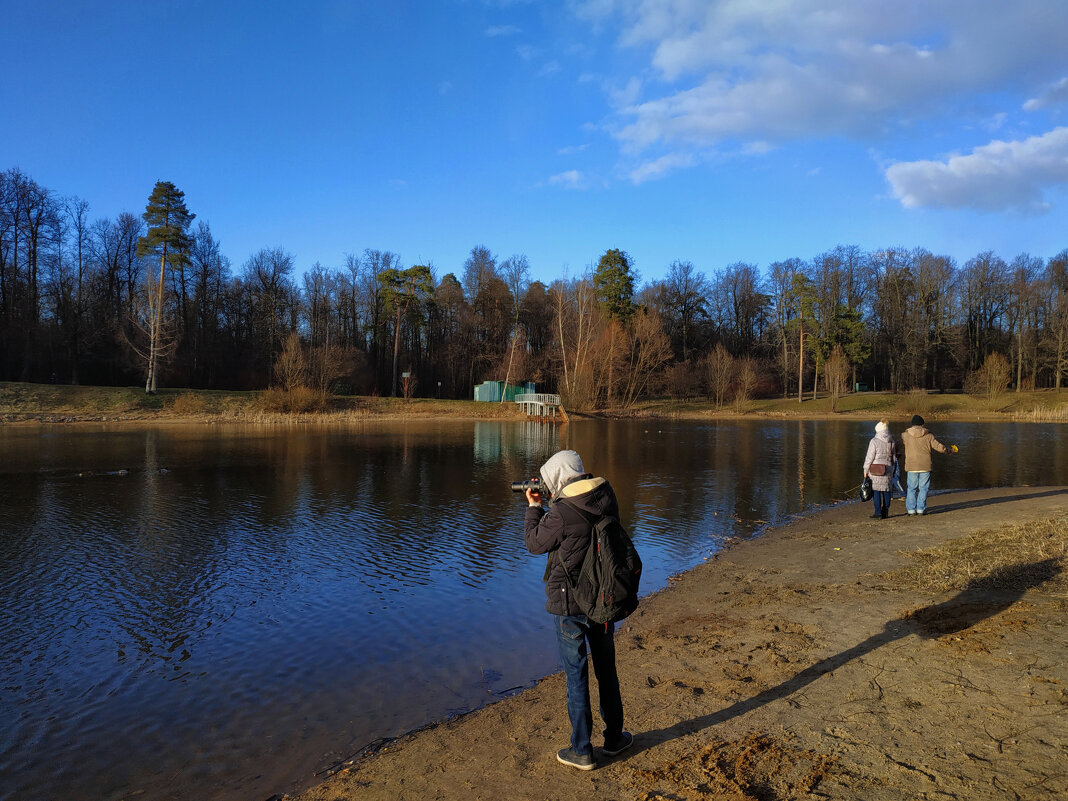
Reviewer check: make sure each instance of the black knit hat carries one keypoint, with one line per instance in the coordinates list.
(917, 420)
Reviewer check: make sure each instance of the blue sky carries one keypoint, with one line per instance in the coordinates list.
(712, 132)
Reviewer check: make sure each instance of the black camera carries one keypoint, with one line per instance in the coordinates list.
(532, 484)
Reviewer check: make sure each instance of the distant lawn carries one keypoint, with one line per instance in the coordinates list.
(1039, 405)
(62, 403)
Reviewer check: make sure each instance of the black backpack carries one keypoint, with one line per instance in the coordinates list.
(606, 589)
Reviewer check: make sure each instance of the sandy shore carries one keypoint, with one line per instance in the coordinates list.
(797, 666)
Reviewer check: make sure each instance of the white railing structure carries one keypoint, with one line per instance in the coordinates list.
(541, 405)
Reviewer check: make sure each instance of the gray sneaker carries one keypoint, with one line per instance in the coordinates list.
(567, 756)
(621, 744)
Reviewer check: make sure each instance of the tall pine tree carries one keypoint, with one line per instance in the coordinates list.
(168, 236)
(614, 282)
(400, 289)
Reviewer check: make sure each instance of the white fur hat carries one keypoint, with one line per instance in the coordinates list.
(880, 427)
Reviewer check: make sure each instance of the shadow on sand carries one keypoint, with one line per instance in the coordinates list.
(952, 507)
(983, 598)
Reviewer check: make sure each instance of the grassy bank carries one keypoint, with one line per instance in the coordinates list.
(53, 403)
(1037, 406)
(50, 403)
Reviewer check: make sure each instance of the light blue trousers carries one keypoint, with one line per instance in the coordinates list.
(916, 496)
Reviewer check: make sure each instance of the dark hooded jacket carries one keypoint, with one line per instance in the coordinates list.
(564, 533)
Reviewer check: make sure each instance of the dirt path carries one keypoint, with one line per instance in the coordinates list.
(792, 667)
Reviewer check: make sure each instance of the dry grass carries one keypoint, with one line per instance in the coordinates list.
(916, 401)
(996, 559)
(1032, 406)
(299, 400)
(63, 400)
(1044, 413)
(59, 403)
(189, 404)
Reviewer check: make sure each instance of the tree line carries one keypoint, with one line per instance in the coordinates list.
(151, 296)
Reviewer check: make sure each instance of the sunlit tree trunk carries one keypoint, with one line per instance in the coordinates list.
(157, 323)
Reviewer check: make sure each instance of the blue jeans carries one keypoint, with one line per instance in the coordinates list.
(572, 634)
(916, 497)
(881, 499)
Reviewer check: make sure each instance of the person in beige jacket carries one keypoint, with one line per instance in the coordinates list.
(919, 443)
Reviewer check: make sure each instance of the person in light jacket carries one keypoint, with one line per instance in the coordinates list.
(919, 443)
(879, 467)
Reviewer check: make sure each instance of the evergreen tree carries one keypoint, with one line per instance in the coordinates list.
(400, 289)
(168, 222)
(614, 282)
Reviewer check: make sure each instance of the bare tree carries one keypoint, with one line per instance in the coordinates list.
(893, 306)
(992, 377)
(290, 369)
(649, 350)
(517, 275)
(319, 303)
(1057, 327)
(70, 286)
(742, 306)
(785, 311)
(373, 263)
(984, 292)
(326, 364)
(836, 374)
(450, 320)
(271, 293)
(1024, 273)
(685, 298)
(747, 375)
(209, 273)
(576, 323)
(719, 369)
(153, 337)
(931, 312)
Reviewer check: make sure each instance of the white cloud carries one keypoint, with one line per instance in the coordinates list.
(756, 148)
(660, 167)
(994, 177)
(625, 95)
(1055, 95)
(997, 121)
(572, 179)
(501, 30)
(572, 150)
(789, 69)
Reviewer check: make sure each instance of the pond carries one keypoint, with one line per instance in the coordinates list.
(226, 612)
